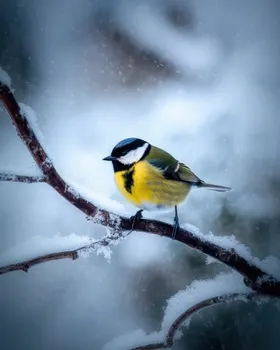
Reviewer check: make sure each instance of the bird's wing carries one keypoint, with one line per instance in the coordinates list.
(171, 168)
(186, 175)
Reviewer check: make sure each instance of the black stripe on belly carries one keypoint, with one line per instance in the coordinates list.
(128, 180)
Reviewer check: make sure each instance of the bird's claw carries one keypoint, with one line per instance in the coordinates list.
(176, 229)
(136, 218)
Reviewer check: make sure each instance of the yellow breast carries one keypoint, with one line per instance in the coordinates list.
(145, 186)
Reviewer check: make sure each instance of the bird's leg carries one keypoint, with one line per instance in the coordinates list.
(176, 226)
(136, 218)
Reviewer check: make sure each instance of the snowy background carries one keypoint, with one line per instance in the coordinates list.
(198, 78)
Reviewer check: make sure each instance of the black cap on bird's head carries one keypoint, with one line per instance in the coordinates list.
(127, 152)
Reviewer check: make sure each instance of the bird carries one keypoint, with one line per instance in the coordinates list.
(152, 179)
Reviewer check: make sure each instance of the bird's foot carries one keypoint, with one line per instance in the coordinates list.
(136, 218)
(176, 228)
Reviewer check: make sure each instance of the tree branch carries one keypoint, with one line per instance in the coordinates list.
(254, 276)
(68, 254)
(21, 178)
(176, 325)
(27, 264)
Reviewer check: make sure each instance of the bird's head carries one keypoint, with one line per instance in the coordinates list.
(128, 152)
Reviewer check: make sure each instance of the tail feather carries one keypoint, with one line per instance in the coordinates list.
(214, 187)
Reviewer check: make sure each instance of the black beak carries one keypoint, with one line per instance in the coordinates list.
(109, 158)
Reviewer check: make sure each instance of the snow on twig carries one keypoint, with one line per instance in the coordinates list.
(21, 178)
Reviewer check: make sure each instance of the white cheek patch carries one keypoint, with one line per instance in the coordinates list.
(134, 155)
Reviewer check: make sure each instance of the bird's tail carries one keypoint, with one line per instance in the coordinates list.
(214, 187)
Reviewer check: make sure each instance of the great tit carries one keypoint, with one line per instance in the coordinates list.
(151, 178)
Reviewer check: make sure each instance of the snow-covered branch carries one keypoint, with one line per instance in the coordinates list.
(170, 337)
(94, 245)
(200, 294)
(21, 178)
(255, 277)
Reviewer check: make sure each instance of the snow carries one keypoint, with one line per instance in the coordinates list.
(9, 166)
(47, 163)
(5, 78)
(134, 339)
(270, 264)
(85, 245)
(209, 260)
(13, 178)
(38, 246)
(31, 117)
(191, 116)
(147, 252)
(97, 199)
(198, 291)
(97, 247)
(226, 242)
(112, 237)
(223, 283)
(189, 54)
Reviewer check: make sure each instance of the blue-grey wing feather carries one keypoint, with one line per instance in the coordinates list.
(160, 164)
(171, 168)
(178, 172)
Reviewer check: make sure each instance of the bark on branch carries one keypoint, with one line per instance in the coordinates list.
(253, 275)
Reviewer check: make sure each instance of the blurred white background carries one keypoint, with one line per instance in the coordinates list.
(197, 78)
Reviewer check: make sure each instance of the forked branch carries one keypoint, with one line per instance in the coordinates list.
(254, 276)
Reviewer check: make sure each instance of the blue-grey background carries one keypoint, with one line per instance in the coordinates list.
(199, 78)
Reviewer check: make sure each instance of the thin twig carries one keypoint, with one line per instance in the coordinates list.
(178, 323)
(27, 264)
(154, 346)
(254, 276)
(21, 178)
(67, 254)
